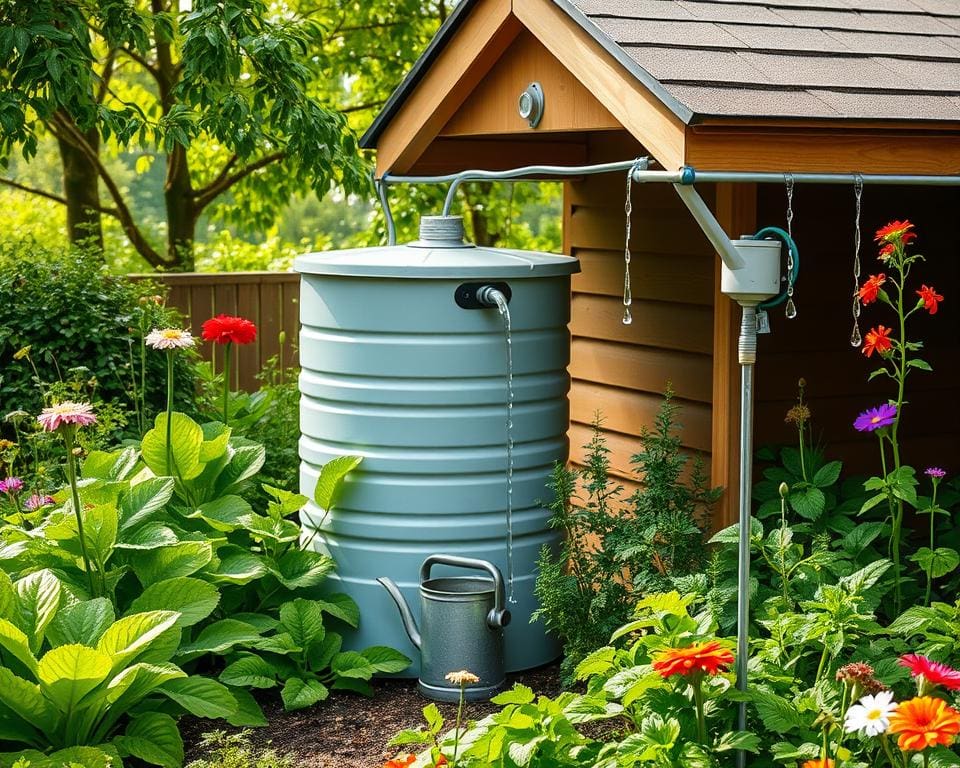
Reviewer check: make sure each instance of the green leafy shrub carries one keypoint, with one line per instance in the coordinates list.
(235, 750)
(65, 307)
(615, 549)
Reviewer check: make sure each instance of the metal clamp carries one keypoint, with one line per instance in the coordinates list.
(498, 617)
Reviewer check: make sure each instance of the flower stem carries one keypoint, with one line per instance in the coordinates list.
(933, 512)
(227, 357)
(77, 509)
(823, 662)
(456, 730)
(698, 702)
(169, 412)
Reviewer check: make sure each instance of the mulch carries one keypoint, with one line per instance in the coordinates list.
(353, 730)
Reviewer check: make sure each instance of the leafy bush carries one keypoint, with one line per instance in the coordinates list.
(72, 314)
(234, 750)
(615, 549)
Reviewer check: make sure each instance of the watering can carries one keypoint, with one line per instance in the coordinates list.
(462, 621)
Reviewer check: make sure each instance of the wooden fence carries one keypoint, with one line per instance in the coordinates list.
(269, 299)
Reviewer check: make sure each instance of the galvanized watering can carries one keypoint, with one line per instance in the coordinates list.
(462, 621)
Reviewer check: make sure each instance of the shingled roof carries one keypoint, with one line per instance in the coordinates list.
(818, 59)
(895, 60)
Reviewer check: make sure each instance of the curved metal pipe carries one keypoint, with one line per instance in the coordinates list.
(381, 187)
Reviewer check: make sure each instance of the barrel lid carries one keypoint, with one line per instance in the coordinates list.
(439, 253)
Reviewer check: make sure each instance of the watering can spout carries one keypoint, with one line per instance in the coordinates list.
(409, 623)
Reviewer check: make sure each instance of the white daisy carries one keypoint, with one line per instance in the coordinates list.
(871, 715)
(169, 338)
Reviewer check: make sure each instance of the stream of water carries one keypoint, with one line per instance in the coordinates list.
(504, 311)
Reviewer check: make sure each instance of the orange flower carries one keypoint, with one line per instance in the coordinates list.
(886, 252)
(823, 762)
(710, 657)
(924, 722)
(400, 761)
(870, 289)
(877, 340)
(929, 297)
(440, 761)
(895, 231)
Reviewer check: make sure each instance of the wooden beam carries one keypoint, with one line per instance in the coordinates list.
(660, 131)
(492, 107)
(484, 35)
(821, 150)
(449, 155)
(736, 211)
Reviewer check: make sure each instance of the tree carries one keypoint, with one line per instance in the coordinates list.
(225, 92)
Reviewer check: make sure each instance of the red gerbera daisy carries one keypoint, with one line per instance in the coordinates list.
(930, 298)
(933, 672)
(227, 329)
(896, 231)
(709, 657)
(877, 340)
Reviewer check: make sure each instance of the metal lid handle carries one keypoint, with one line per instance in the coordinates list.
(498, 616)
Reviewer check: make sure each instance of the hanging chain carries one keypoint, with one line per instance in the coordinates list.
(628, 210)
(855, 339)
(790, 310)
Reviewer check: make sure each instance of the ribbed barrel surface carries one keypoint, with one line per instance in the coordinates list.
(396, 372)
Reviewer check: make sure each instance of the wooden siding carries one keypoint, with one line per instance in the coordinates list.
(816, 345)
(622, 370)
(269, 299)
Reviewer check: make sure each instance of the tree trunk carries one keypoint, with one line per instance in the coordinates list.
(472, 194)
(181, 211)
(81, 189)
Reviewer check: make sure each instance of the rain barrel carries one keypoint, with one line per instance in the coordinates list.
(396, 371)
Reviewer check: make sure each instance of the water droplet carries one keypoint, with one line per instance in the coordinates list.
(627, 317)
(855, 338)
(791, 310)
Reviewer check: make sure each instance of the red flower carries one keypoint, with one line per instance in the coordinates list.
(877, 340)
(929, 297)
(823, 762)
(933, 672)
(400, 761)
(226, 329)
(710, 657)
(870, 289)
(886, 252)
(896, 231)
(924, 722)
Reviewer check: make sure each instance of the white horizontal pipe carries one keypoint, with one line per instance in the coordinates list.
(747, 177)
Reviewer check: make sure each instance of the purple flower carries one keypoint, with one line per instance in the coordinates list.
(874, 418)
(35, 502)
(11, 485)
(935, 472)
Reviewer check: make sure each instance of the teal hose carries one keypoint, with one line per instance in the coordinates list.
(775, 233)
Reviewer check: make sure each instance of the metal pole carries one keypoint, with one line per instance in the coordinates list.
(689, 175)
(381, 186)
(710, 226)
(748, 356)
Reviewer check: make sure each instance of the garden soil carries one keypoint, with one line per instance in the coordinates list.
(353, 730)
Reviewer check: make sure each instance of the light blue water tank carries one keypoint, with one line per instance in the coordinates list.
(394, 370)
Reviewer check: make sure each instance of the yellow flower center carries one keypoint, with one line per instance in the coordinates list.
(874, 714)
(172, 333)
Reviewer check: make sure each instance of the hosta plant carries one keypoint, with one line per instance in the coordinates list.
(75, 676)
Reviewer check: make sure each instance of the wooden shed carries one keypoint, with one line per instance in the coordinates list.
(784, 86)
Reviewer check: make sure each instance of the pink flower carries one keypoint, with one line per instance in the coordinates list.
(35, 502)
(11, 485)
(932, 672)
(79, 414)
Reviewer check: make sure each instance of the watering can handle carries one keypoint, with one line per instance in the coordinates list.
(498, 617)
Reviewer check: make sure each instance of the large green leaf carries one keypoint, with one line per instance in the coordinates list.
(100, 527)
(82, 623)
(248, 714)
(25, 700)
(193, 599)
(152, 535)
(69, 672)
(220, 637)
(36, 602)
(303, 620)
(238, 566)
(321, 654)
(299, 568)
(352, 664)
(6, 596)
(246, 459)
(143, 501)
(132, 636)
(154, 738)
(182, 559)
(342, 607)
(116, 465)
(216, 438)
(937, 562)
(249, 672)
(225, 514)
(808, 502)
(16, 643)
(284, 531)
(384, 659)
(139, 680)
(299, 694)
(201, 696)
(331, 478)
(186, 437)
